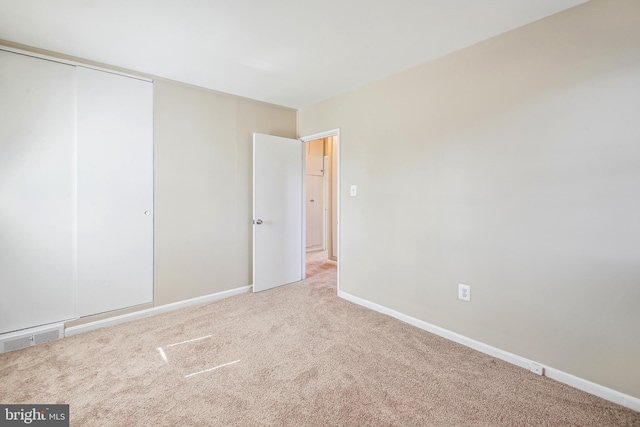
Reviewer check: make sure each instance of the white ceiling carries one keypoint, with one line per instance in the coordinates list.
(288, 52)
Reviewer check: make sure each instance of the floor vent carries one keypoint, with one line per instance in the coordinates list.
(29, 337)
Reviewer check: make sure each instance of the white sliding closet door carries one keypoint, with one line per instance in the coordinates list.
(37, 191)
(115, 192)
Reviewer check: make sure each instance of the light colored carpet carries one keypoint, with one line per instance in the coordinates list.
(293, 356)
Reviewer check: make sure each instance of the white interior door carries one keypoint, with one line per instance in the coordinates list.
(278, 169)
(325, 203)
(115, 192)
(37, 191)
(314, 203)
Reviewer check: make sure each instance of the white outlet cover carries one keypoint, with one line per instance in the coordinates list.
(464, 292)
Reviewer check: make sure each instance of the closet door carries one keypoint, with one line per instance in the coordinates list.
(37, 191)
(115, 192)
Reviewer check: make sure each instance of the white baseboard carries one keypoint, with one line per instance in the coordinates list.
(74, 330)
(563, 377)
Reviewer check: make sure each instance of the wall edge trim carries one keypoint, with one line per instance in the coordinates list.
(606, 393)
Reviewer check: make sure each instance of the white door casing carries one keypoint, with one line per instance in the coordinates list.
(278, 171)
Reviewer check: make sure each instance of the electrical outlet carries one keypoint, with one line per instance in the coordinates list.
(536, 369)
(464, 292)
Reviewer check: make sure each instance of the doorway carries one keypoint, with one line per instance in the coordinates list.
(321, 201)
(279, 210)
(318, 194)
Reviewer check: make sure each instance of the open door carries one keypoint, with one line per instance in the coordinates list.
(278, 168)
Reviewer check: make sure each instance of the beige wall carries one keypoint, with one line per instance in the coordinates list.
(203, 195)
(510, 166)
(202, 186)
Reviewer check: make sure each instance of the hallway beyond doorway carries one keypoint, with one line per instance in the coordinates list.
(321, 272)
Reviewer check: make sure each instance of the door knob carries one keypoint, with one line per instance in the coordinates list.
(147, 213)
(312, 200)
(257, 221)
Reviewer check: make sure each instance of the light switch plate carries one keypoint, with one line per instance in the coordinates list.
(354, 191)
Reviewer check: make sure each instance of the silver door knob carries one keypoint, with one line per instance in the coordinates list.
(147, 213)
(258, 221)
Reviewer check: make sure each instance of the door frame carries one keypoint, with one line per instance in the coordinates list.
(336, 134)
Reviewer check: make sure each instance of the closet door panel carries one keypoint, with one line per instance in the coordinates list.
(115, 192)
(37, 192)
